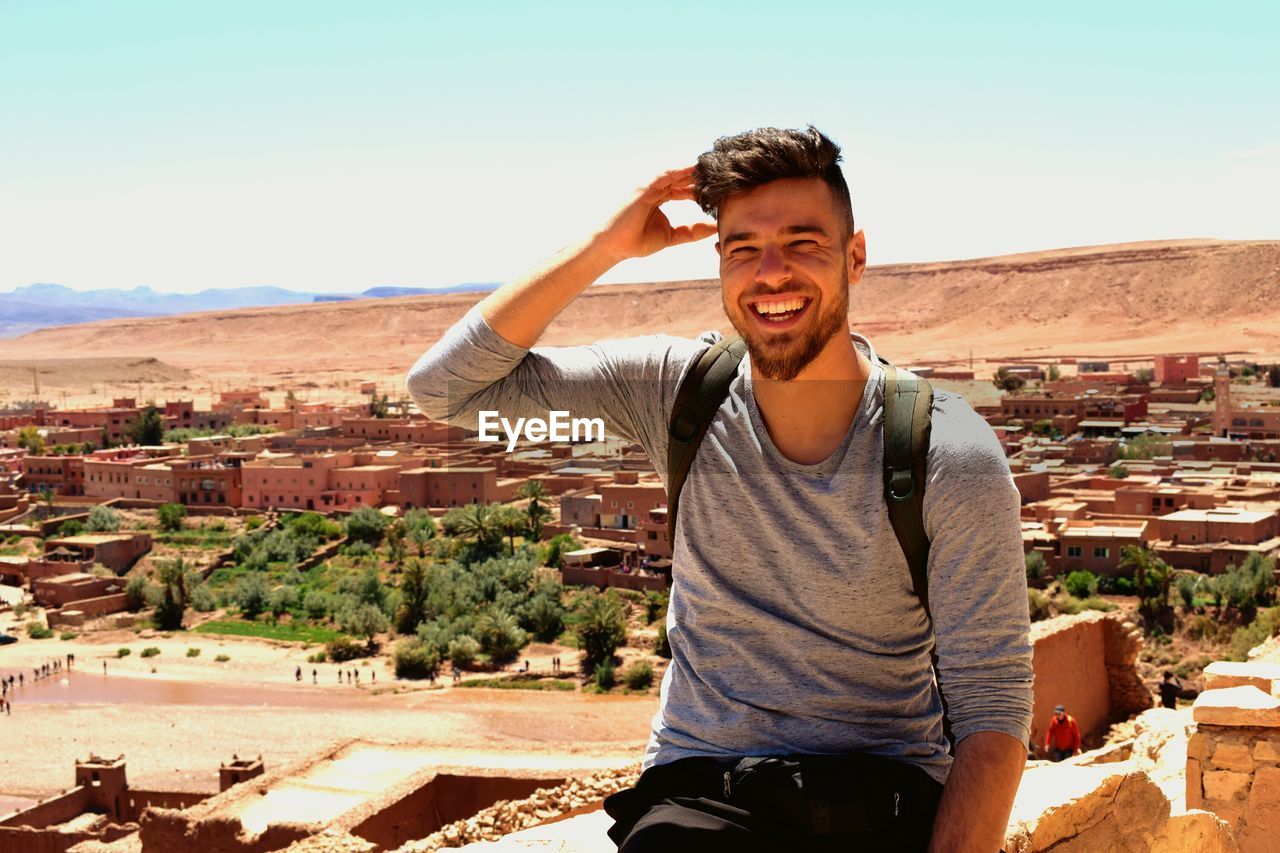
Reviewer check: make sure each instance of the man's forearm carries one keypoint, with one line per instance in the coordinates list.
(521, 310)
(979, 794)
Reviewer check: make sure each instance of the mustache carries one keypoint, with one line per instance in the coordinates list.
(757, 294)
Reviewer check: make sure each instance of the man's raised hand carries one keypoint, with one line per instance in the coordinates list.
(641, 228)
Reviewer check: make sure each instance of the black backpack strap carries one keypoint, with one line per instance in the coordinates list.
(907, 403)
(701, 392)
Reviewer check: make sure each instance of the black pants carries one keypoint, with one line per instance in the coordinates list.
(853, 804)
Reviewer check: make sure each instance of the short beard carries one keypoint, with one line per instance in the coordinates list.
(783, 360)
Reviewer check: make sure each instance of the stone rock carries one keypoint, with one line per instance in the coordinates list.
(1195, 785)
(1265, 791)
(1224, 673)
(1122, 643)
(1200, 745)
(1237, 706)
(1160, 750)
(1262, 821)
(1268, 651)
(1125, 813)
(1195, 832)
(1224, 786)
(1266, 750)
(1233, 756)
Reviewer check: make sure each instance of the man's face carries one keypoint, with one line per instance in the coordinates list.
(786, 264)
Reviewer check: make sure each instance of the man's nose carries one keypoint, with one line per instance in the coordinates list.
(772, 268)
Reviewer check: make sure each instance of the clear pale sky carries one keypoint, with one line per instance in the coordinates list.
(336, 146)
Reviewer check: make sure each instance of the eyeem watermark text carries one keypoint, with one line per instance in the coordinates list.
(558, 426)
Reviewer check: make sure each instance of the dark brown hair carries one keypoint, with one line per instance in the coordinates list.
(739, 163)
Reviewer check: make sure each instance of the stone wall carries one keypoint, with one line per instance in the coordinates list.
(1087, 663)
(88, 608)
(1233, 755)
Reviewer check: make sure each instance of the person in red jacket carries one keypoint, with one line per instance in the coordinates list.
(1063, 738)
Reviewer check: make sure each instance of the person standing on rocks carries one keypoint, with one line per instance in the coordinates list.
(801, 708)
(1170, 689)
(1062, 740)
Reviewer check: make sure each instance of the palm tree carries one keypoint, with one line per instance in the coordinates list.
(535, 491)
(476, 522)
(511, 521)
(1148, 569)
(172, 576)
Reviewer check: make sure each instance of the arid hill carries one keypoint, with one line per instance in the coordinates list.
(1131, 299)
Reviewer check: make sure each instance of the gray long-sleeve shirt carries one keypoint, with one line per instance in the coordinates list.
(792, 621)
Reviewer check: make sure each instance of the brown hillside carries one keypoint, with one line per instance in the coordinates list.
(1125, 299)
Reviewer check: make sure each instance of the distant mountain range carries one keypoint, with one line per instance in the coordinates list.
(39, 306)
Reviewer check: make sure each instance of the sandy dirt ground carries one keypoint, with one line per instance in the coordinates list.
(175, 726)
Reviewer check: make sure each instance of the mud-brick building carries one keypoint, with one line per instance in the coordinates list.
(456, 486)
(116, 551)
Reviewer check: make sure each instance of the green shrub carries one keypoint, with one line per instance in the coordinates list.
(103, 519)
(552, 553)
(463, 650)
(358, 550)
(655, 605)
(415, 659)
(38, 631)
(605, 676)
(150, 652)
(638, 676)
(1068, 604)
(193, 652)
(251, 595)
(123, 652)
(601, 627)
(203, 600)
(135, 592)
(1037, 604)
(500, 636)
(1093, 602)
(68, 635)
(171, 516)
(366, 524)
(344, 649)
(74, 527)
(1265, 625)
(313, 524)
(317, 604)
(20, 610)
(662, 646)
(1186, 585)
(318, 657)
(221, 659)
(543, 614)
(253, 522)
(1035, 565)
(1081, 584)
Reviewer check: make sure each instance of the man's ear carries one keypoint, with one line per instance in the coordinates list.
(856, 256)
(719, 254)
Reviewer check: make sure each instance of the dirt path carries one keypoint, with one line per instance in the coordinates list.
(175, 725)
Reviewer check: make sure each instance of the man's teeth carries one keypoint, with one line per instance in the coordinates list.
(766, 308)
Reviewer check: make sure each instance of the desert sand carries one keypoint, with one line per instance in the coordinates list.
(175, 725)
(1128, 300)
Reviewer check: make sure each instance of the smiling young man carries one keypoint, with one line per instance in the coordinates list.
(800, 707)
